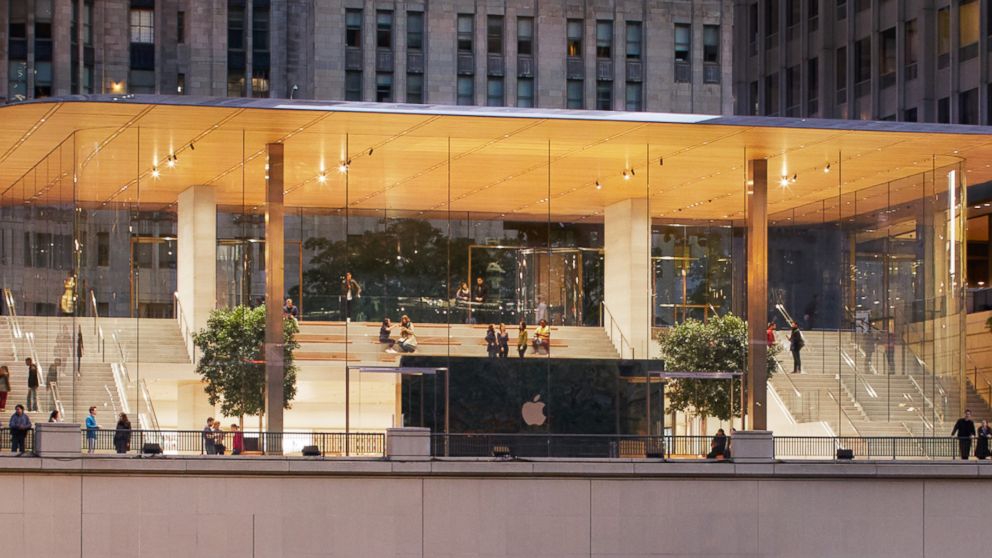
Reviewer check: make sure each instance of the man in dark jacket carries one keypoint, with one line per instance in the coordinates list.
(964, 429)
(34, 381)
(351, 291)
(20, 423)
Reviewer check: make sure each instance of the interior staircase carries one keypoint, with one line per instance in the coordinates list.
(854, 388)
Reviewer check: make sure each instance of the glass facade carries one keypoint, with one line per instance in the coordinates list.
(874, 275)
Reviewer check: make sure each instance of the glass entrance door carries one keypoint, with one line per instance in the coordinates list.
(241, 272)
(153, 276)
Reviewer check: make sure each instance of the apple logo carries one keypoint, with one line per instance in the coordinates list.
(533, 412)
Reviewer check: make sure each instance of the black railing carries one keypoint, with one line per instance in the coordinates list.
(868, 447)
(6, 440)
(198, 442)
(604, 446)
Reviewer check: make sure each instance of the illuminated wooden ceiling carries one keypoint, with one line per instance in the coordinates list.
(527, 163)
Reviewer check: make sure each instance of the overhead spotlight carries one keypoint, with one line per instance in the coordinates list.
(155, 173)
(192, 147)
(598, 185)
(632, 172)
(661, 162)
(170, 162)
(826, 169)
(626, 176)
(371, 149)
(795, 177)
(784, 181)
(322, 177)
(343, 168)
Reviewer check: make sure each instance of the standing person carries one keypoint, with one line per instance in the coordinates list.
(491, 347)
(122, 435)
(91, 428)
(34, 380)
(463, 299)
(219, 447)
(238, 440)
(351, 291)
(542, 338)
(522, 339)
(964, 429)
(209, 447)
(51, 379)
(890, 353)
(796, 344)
(503, 341)
(4, 387)
(79, 352)
(982, 444)
(541, 312)
(770, 333)
(479, 296)
(20, 423)
(869, 342)
(290, 311)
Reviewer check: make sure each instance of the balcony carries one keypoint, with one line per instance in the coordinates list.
(604, 69)
(495, 65)
(466, 64)
(525, 65)
(711, 73)
(635, 70)
(414, 62)
(352, 58)
(574, 68)
(384, 60)
(683, 72)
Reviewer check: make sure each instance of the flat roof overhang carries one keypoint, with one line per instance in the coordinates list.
(529, 163)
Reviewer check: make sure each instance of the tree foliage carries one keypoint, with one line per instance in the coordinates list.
(719, 345)
(232, 361)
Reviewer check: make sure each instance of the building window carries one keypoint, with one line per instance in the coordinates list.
(752, 28)
(943, 37)
(236, 59)
(862, 5)
(841, 9)
(754, 106)
(17, 30)
(573, 31)
(384, 29)
(812, 85)
(968, 28)
(793, 88)
(633, 94)
(181, 27)
(683, 38)
(525, 92)
(604, 95)
(494, 34)
(260, 84)
(887, 58)
(414, 88)
(944, 110)
(813, 14)
(87, 79)
(353, 28)
(466, 90)
(771, 23)
(102, 249)
(384, 87)
(711, 44)
(793, 13)
(494, 92)
(525, 35)
(909, 115)
(88, 23)
(235, 84)
(634, 40)
(574, 94)
(466, 27)
(771, 95)
(181, 84)
(141, 81)
(862, 61)
(415, 31)
(260, 49)
(143, 26)
(911, 49)
(604, 39)
(353, 85)
(968, 107)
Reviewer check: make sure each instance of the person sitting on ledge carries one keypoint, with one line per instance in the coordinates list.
(718, 446)
(542, 338)
(408, 340)
(385, 330)
(290, 311)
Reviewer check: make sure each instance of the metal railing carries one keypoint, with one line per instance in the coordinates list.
(867, 447)
(97, 328)
(184, 329)
(12, 323)
(604, 446)
(6, 439)
(197, 442)
(620, 342)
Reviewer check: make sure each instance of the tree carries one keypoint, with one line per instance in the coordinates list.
(719, 345)
(232, 362)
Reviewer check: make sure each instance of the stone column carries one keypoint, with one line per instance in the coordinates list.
(628, 270)
(196, 264)
(757, 292)
(274, 263)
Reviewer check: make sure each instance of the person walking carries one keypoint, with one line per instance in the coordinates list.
(479, 295)
(20, 423)
(964, 430)
(34, 380)
(796, 344)
(79, 352)
(491, 347)
(982, 443)
(502, 341)
(91, 429)
(351, 291)
(122, 435)
(522, 339)
(4, 387)
(209, 447)
(237, 441)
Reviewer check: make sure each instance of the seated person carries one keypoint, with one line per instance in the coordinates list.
(718, 446)
(542, 337)
(290, 311)
(408, 340)
(385, 330)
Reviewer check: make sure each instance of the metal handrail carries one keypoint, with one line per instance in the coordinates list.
(12, 322)
(184, 329)
(147, 397)
(98, 329)
(613, 323)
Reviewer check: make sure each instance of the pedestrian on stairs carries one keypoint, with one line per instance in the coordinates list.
(964, 429)
(34, 381)
(4, 387)
(796, 344)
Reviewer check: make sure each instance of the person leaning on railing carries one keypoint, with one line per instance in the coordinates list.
(91, 429)
(964, 429)
(238, 440)
(20, 424)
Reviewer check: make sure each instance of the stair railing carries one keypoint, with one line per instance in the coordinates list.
(98, 329)
(184, 329)
(12, 322)
(615, 332)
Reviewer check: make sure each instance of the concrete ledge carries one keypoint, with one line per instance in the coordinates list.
(494, 468)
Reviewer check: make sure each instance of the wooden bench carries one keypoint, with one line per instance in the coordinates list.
(313, 355)
(426, 341)
(315, 338)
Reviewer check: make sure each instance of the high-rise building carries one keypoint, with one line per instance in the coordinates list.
(617, 55)
(881, 60)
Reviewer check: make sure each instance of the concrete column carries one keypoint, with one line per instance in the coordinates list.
(274, 264)
(628, 270)
(757, 292)
(57, 439)
(196, 265)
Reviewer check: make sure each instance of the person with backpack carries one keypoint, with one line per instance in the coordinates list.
(796, 344)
